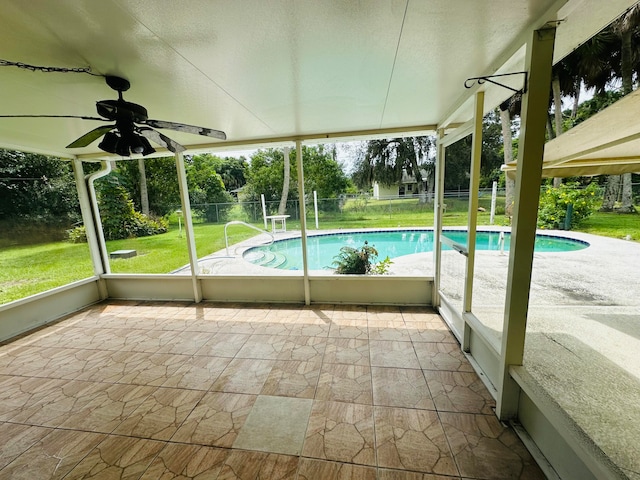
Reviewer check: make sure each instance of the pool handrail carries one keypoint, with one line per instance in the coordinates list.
(240, 222)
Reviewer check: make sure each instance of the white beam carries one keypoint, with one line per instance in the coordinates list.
(472, 220)
(303, 223)
(438, 206)
(523, 232)
(188, 226)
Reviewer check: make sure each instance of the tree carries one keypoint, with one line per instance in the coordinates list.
(508, 111)
(37, 189)
(385, 161)
(285, 182)
(119, 217)
(206, 189)
(626, 27)
(161, 182)
(265, 176)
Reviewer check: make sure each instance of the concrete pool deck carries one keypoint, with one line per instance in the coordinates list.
(583, 328)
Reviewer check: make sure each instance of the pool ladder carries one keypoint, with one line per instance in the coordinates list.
(240, 222)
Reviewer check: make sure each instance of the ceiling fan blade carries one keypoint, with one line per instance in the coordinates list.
(91, 136)
(53, 116)
(161, 139)
(181, 127)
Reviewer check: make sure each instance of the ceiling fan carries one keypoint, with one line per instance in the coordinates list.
(132, 129)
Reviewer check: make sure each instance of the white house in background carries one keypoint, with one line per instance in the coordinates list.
(407, 187)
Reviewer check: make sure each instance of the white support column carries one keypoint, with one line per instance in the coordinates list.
(528, 176)
(188, 226)
(472, 221)
(437, 218)
(89, 225)
(303, 223)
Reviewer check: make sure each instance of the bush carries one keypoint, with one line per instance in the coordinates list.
(555, 201)
(360, 261)
(119, 218)
(77, 234)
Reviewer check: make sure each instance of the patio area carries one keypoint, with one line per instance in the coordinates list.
(161, 390)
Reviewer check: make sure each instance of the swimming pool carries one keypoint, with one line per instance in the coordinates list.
(321, 249)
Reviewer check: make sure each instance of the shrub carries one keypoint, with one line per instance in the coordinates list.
(77, 234)
(555, 201)
(119, 218)
(360, 261)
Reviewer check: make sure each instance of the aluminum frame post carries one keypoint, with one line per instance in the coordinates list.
(539, 61)
(188, 226)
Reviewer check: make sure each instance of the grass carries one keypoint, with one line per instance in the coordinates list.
(35, 268)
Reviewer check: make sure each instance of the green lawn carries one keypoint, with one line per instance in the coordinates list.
(35, 268)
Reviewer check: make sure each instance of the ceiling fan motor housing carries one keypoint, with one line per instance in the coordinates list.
(121, 110)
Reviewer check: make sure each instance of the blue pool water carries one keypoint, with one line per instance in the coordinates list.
(321, 249)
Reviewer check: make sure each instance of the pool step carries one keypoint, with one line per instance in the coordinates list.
(277, 261)
(267, 259)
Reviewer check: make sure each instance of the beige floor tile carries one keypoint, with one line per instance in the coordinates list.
(459, 392)
(293, 379)
(107, 408)
(400, 387)
(186, 462)
(243, 375)
(198, 373)
(216, 420)
(442, 356)
(311, 469)
(160, 415)
(53, 404)
(117, 365)
(342, 432)
(17, 438)
(388, 330)
(350, 351)
(51, 362)
(186, 343)
(153, 369)
(118, 458)
(349, 312)
(304, 327)
(53, 456)
(430, 332)
(275, 425)
(258, 466)
(349, 328)
(384, 313)
(484, 448)
(262, 346)
(150, 341)
(387, 474)
(223, 345)
(386, 353)
(303, 348)
(412, 440)
(20, 393)
(345, 383)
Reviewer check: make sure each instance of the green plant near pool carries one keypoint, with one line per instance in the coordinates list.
(360, 261)
(554, 203)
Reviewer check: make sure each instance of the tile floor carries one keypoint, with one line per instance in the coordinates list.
(209, 391)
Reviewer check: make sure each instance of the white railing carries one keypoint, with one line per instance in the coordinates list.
(240, 222)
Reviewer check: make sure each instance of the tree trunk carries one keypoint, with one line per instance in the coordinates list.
(611, 191)
(627, 195)
(576, 101)
(557, 113)
(285, 184)
(417, 173)
(627, 86)
(144, 195)
(505, 121)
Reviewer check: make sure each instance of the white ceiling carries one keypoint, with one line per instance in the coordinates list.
(268, 70)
